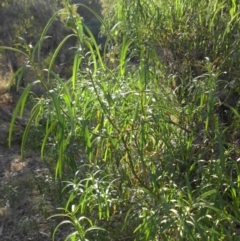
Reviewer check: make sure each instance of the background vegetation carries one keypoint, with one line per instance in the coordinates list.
(144, 133)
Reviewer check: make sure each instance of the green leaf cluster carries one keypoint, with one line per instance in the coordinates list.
(142, 143)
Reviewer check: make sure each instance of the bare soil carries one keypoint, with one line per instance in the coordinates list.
(28, 193)
(24, 206)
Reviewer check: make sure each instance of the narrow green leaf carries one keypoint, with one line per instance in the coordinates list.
(58, 50)
(20, 106)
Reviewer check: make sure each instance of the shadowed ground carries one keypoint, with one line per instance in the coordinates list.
(24, 207)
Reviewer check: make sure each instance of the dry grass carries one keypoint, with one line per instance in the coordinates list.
(5, 74)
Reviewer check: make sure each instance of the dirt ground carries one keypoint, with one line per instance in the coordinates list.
(24, 205)
(29, 195)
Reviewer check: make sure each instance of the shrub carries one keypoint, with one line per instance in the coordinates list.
(159, 162)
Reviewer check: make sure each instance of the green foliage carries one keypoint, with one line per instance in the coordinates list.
(144, 141)
(90, 19)
(107, 5)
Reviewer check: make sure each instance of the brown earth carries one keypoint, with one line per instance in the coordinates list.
(25, 204)
(29, 195)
